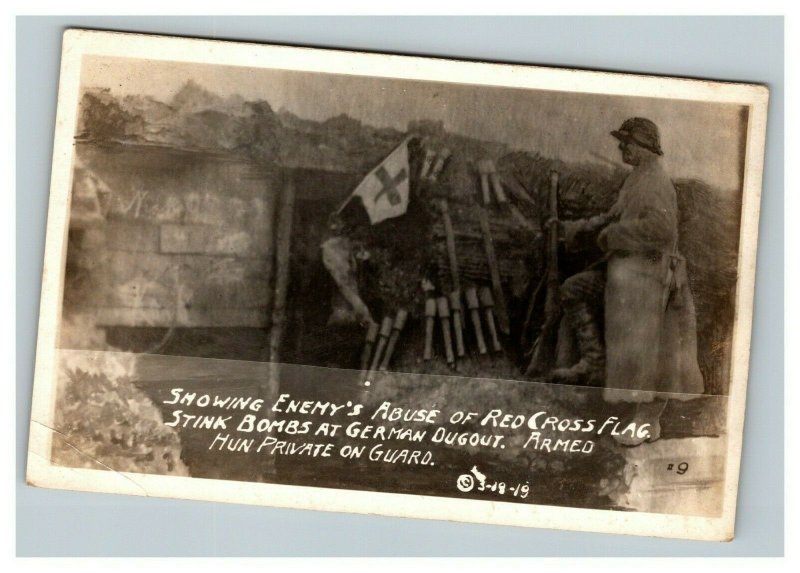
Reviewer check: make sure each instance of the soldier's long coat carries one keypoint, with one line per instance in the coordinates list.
(650, 329)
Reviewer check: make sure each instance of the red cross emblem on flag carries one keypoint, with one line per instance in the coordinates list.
(384, 191)
(390, 185)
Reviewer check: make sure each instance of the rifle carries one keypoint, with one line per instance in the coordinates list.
(455, 294)
(545, 345)
(494, 271)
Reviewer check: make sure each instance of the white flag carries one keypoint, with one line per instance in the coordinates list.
(384, 191)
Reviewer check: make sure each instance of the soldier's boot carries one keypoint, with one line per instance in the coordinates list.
(591, 368)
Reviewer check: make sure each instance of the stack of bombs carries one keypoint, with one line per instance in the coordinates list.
(480, 304)
(383, 340)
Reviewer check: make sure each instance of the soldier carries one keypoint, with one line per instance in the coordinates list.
(650, 332)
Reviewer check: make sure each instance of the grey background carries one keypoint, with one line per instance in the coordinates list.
(80, 524)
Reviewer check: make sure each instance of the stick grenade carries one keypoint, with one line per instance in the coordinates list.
(430, 317)
(458, 323)
(444, 315)
(399, 323)
(438, 167)
(455, 296)
(386, 330)
(450, 237)
(372, 335)
(494, 271)
(472, 304)
(488, 303)
(517, 191)
(427, 163)
(496, 185)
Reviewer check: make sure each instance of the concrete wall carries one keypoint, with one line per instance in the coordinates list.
(183, 240)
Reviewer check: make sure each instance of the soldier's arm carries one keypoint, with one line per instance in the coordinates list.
(653, 230)
(573, 231)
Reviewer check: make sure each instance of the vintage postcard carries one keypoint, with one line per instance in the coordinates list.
(396, 285)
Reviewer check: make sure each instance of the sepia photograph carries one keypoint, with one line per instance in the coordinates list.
(406, 286)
